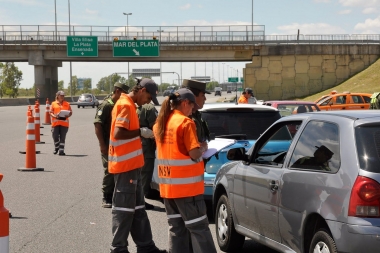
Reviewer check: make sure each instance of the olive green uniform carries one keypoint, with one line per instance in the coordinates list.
(147, 116)
(104, 117)
(375, 101)
(203, 132)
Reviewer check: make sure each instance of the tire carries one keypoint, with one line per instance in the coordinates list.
(78, 106)
(226, 235)
(93, 106)
(322, 242)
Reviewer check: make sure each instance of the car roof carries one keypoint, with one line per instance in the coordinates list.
(353, 114)
(294, 102)
(226, 106)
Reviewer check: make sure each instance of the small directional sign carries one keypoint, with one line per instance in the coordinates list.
(82, 46)
(233, 79)
(136, 48)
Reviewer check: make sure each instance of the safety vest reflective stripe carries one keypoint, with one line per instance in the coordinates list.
(176, 181)
(178, 162)
(56, 120)
(171, 216)
(125, 157)
(122, 142)
(122, 119)
(124, 209)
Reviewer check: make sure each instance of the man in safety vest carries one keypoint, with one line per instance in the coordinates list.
(102, 123)
(247, 93)
(125, 159)
(375, 102)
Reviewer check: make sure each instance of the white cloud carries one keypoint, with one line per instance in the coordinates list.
(370, 26)
(185, 7)
(369, 10)
(317, 28)
(344, 12)
(322, 1)
(362, 3)
(24, 2)
(91, 12)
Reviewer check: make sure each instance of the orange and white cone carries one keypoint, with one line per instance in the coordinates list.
(47, 113)
(37, 123)
(30, 164)
(4, 221)
(30, 110)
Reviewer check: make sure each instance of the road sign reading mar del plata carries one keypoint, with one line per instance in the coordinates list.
(136, 48)
(82, 46)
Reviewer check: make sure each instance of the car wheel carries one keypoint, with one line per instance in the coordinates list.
(93, 106)
(78, 106)
(227, 237)
(322, 242)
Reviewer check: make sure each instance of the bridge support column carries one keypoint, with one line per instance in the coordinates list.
(45, 76)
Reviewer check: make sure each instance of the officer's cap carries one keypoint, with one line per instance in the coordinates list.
(150, 87)
(325, 150)
(249, 91)
(122, 86)
(184, 93)
(194, 84)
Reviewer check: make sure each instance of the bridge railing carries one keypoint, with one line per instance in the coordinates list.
(172, 35)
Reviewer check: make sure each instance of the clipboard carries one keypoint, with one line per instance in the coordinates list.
(63, 113)
(216, 145)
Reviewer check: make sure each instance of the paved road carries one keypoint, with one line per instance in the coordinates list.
(59, 210)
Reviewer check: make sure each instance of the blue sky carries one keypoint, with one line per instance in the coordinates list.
(278, 16)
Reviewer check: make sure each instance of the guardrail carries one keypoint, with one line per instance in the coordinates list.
(172, 35)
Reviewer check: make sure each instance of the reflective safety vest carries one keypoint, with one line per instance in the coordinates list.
(375, 103)
(179, 175)
(242, 100)
(55, 108)
(124, 155)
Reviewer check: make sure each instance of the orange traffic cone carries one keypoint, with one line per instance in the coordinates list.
(30, 164)
(38, 105)
(47, 113)
(37, 123)
(4, 221)
(31, 112)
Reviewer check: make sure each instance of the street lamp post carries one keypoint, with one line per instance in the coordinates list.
(160, 31)
(252, 20)
(55, 12)
(71, 74)
(127, 14)
(223, 73)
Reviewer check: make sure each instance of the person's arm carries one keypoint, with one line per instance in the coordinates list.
(99, 135)
(197, 153)
(122, 133)
(195, 148)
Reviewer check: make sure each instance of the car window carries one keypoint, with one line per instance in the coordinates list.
(356, 99)
(367, 99)
(368, 147)
(327, 101)
(314, 108)
(89, 96)
(317, 148)
(273, 146)
(240, 121)
(340, 99)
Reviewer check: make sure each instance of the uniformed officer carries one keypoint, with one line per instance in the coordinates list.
(102, 125)
(147, 117)
(180, 170)
(375, 101)
(245, 96)
(199, 91)
(319, 161)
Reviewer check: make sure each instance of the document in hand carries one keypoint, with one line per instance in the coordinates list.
(63, 113)
(216, 145)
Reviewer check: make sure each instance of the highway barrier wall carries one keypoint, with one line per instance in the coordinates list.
(31, 101)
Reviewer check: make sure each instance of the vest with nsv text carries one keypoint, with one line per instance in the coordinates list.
(56, 108)
(124, 155)
(179, 175)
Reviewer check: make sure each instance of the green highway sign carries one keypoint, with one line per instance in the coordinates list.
(82, 46)
(242, 79)
(136, 48)
(233, 79)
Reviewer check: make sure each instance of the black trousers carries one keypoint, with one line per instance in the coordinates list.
(59, 137)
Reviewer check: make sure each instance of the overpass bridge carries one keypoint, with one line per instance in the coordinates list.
(281, 66)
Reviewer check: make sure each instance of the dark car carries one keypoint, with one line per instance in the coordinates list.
(318, 193)
(288, 107)
(87, 99)
(169, 91)
(218, 93)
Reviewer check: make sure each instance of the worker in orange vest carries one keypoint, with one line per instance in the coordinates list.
(247, 93)
(180, 171)
(125, 159)
(60, 111)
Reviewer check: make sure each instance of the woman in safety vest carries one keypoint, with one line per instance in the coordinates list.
(180, 169)
(60, 111)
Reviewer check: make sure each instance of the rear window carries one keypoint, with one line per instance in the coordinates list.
(368, 147)
(249, 122)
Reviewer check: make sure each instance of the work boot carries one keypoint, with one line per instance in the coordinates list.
(149, 206)
(107, 203)
(55, 151)
(157, 250)
(61, 153)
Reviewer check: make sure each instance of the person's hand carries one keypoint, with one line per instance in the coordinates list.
(146, 132)
(204, 146)
(104, 149)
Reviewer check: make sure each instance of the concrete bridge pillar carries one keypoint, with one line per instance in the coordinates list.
(45, 76)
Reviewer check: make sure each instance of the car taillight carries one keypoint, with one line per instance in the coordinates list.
(365, 198)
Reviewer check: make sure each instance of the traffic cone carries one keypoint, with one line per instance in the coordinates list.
(38, 105)
(47, 113)
(31, 112)
(30, 164)
(4, 221)
(37, 123)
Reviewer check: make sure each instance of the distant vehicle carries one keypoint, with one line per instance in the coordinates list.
(345, 101)
(87, 99)
(242, 122)
(288, 107)
(229, 89)
(218, 91)
(321, 193)
(169, 90)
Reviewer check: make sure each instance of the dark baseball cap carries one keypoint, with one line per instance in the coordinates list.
(151, 87)
(185, 93)
(325, 150)
(249, 91)
(122, 86)
(194, 84)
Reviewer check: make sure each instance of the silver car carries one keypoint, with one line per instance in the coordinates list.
(320, 193)
(87, 99)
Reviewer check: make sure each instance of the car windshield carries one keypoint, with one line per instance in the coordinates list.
(368, 147)
(240, 121)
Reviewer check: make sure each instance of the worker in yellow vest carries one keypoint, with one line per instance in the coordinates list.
(60, 111)
(180, 171)
(125, 159)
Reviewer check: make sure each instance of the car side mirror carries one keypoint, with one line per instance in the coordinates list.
(237, 154)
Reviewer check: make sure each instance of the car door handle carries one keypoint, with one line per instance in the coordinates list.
(273, 186)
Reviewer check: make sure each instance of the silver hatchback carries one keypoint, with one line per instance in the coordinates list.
(321, 193)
